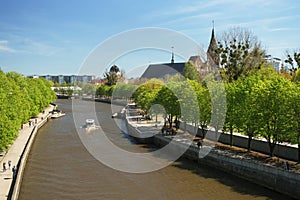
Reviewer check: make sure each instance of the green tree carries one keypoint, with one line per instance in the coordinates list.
(168, 100)
(24, 99)
(296, 76)
(190, 72)
(275, 109)
(218, 104)
(188, 110)
(293, 60)
(232, 101)
(20, 99)
(247, 109)
(295, 102)
(10, 122)
(204, 105)
(88, 88)
(113, 76)
(145, 94)
(240, 52)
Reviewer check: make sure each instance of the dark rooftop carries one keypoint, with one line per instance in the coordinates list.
(161, 70)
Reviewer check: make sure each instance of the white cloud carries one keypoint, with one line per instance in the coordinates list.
(4, 47)
(39, 48)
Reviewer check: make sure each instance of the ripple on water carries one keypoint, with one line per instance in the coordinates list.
(59, 167)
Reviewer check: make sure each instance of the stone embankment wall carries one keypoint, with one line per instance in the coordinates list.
(282, 151)
(285, 182)
(15, 188)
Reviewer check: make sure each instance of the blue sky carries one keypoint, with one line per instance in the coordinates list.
(55, 37)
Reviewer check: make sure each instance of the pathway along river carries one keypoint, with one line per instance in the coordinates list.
(59, 167)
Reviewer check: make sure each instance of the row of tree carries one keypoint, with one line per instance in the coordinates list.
(262, 104)
(21, 98)
(253, 98)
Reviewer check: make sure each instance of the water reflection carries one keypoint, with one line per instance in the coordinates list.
(59, 167)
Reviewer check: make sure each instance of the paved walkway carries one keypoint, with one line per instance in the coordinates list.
(149, 126)
(14, 153)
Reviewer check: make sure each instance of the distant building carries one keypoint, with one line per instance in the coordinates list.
(276, 62)
(172, 68)
(68, 79)
(212, 61)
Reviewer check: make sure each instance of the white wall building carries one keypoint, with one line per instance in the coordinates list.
(276, 62)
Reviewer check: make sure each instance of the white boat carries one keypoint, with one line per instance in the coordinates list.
(57, 114)
(90, 125)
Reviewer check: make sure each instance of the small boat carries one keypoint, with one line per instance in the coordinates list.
(90, 125)
(119, 115)
(115, 115)
(57, 114)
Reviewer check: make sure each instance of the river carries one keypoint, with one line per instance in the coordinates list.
(60, 167)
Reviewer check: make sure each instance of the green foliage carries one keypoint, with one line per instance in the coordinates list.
(240, 53)
(295, 123)
(20, 99)
(293, 60)
(113, 76)
(88, 88)
(262, 104)
(204, 104)
(168, 100)
(104, 91)
(218, 104)
(275, 108)
(123, 91)
(232, 100)
(296, 76)
(145, 94)
(190, 72)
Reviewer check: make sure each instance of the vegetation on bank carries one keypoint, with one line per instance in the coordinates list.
(21, 98)
(259, 101)
(264, 104)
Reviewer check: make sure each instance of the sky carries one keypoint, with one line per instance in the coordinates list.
(57, 37)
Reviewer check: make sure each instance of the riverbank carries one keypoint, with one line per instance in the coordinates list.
(17, 155)
(229, 160)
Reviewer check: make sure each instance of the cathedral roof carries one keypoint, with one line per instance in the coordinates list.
(161, 70)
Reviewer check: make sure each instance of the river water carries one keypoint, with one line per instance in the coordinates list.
(60, 167)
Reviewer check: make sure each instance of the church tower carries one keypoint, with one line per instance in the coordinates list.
(172, 59)
(213, 57)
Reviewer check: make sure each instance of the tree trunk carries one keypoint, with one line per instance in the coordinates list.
(170, 120)
(216, 134)
(249, 143)
(272, 147)
(298, 152)
(165, 122)
(203, 131)
(298, 139)
(231, 136)
(196, 128)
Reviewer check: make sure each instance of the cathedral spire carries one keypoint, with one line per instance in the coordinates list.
(211, 52)
(172, 59)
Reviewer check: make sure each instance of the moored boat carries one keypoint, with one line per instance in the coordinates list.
(57, 114)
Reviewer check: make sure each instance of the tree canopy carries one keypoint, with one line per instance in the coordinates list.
(21, 98)
(240, 52)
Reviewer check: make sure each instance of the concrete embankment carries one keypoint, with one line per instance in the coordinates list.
(286, 151)
(103, 100)
(277, 179)
(18, 154)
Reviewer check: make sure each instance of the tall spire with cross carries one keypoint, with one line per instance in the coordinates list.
(211, 52)
(172, 59)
